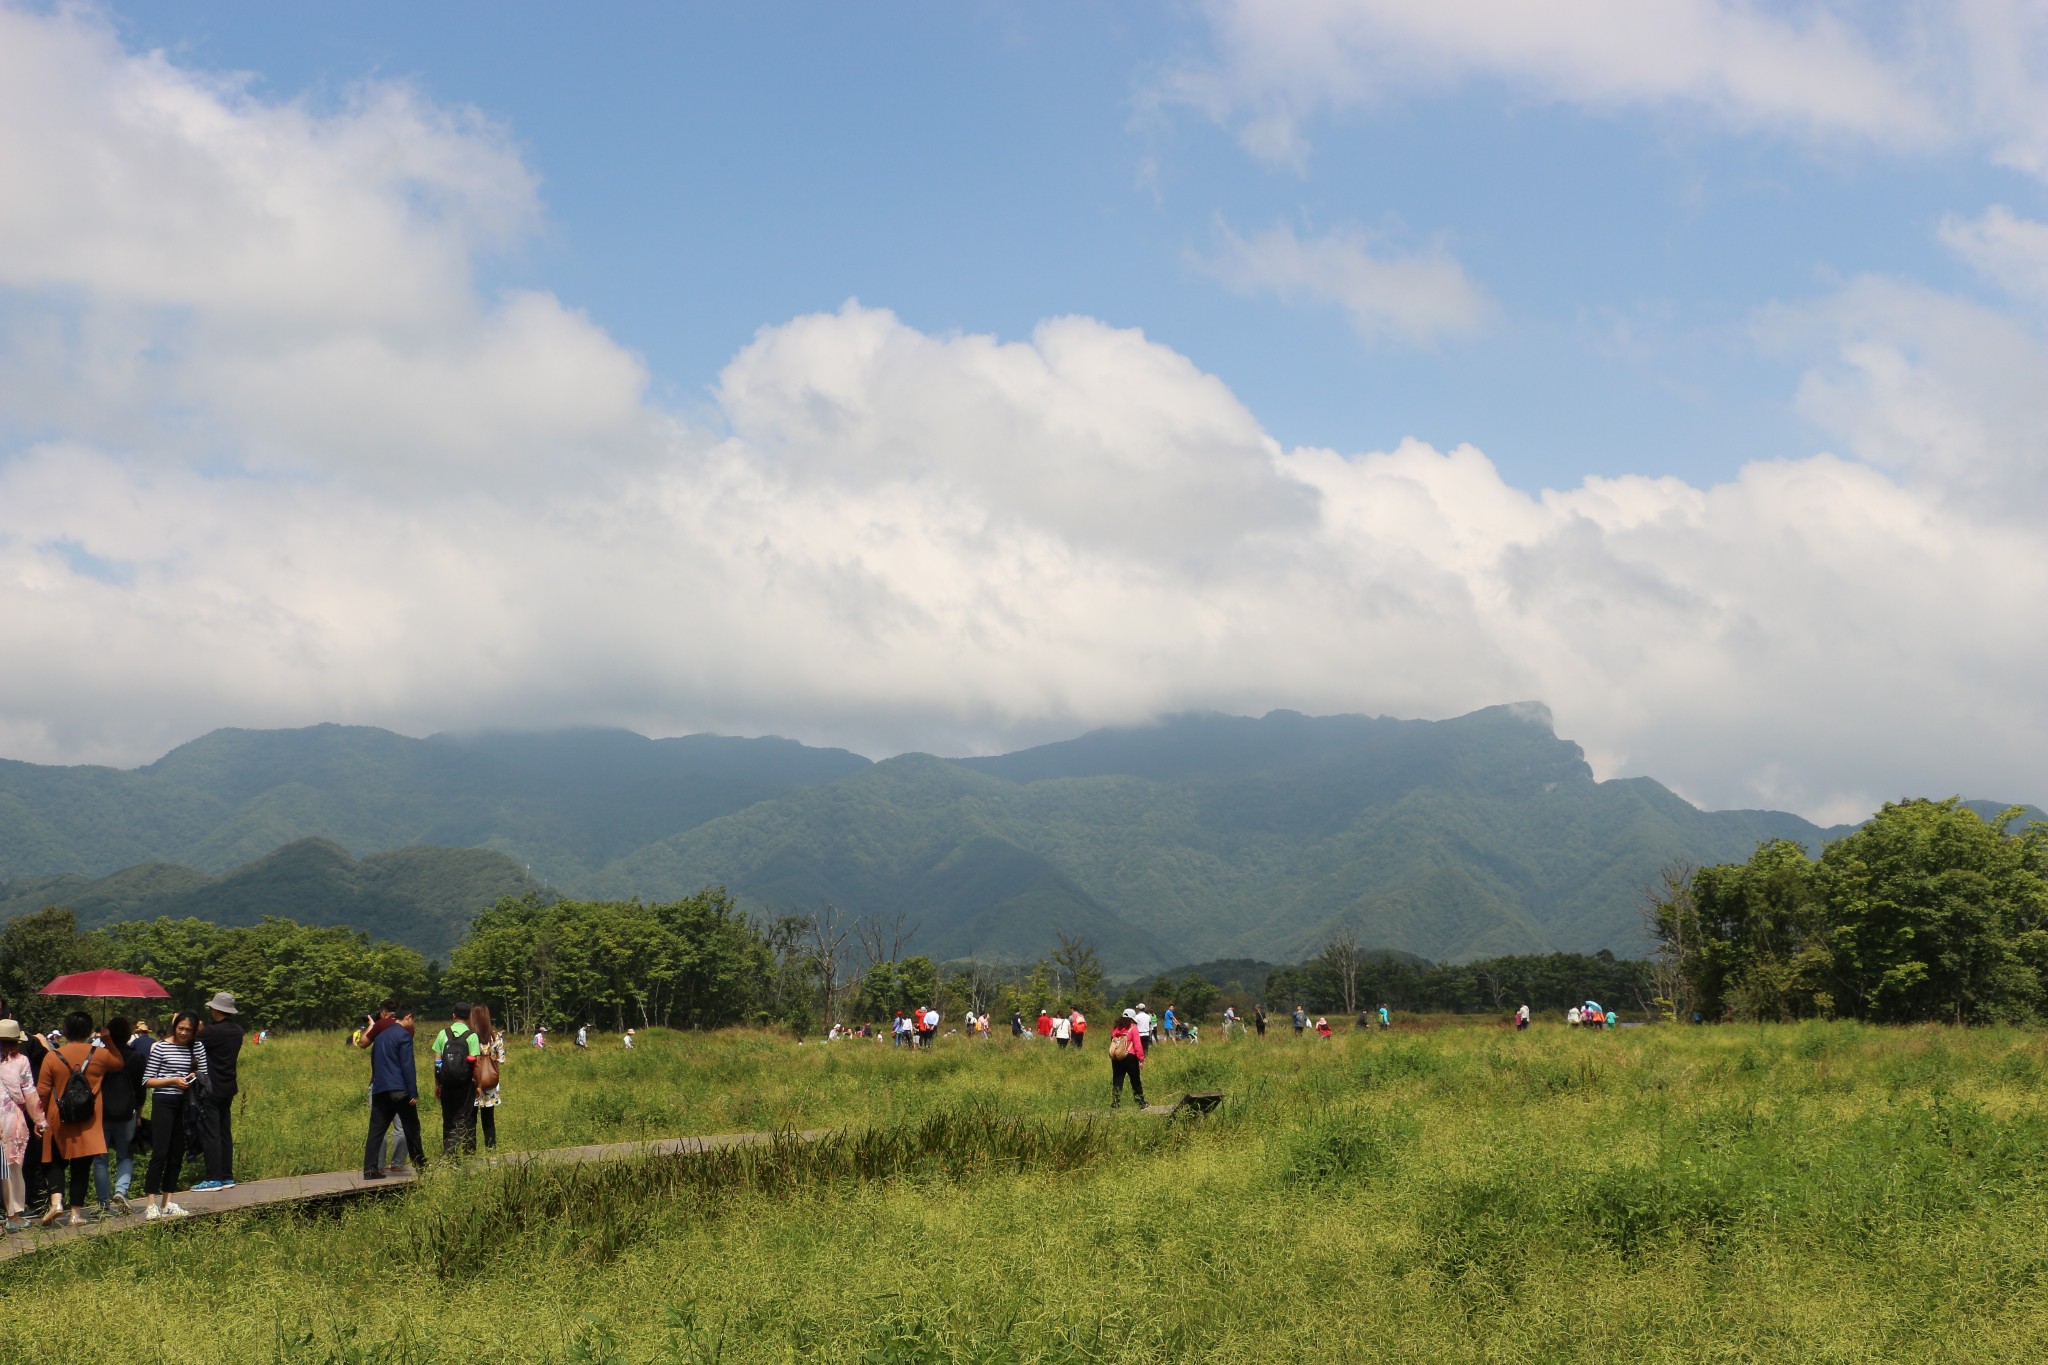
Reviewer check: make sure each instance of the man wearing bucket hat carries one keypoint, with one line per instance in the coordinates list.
(222, 1041)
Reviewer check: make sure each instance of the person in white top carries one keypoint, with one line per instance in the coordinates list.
(1571, 1016)
(628, 1040)
(1522, 1017)
(1062, 1029)
(540, 1037)
(1143, 1021)
(583, 1035)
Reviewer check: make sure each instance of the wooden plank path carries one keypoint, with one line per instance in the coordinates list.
(306, 1189)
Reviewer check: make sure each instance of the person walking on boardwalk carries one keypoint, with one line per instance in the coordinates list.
(1126, 1060)
(455, 1052)
(173, 1077)
(222, 1041)
(21, 1117)
(69, 1085)
(120, 1100)
(490, 1067)
(394, 1094)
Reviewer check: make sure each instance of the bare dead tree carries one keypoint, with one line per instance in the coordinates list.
(883, 940)
(1340, 954)
(826, 938)
(1078, 963)
(1670, 916)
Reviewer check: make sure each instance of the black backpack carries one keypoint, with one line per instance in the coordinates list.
(452, 1066)
(77, 1104)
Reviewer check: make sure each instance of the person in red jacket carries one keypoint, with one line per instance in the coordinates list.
(1044, 1024)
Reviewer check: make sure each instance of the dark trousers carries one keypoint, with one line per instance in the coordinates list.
(166, 1143)
(458, 1118)
(1120, 1069)
(217, 1136)
(80, 1168)
(385, 1106)
(487, 1117)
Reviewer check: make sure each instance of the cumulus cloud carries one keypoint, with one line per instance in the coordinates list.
(1932, 75)
(1416, 297)
(2004, 247)
(310, 495)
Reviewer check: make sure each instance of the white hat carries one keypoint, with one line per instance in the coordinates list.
(223, 1002)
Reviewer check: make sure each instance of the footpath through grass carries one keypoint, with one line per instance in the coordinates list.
(1819, 1192)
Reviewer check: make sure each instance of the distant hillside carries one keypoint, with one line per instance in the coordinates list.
(421, 897)
(1219, 836)
(1202, 837)
(566, 803)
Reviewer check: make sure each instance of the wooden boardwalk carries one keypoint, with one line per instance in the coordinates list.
(306, 1189)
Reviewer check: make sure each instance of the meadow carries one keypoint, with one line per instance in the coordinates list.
(1812, 1192)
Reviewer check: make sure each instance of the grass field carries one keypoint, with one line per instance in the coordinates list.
(1813, 1192)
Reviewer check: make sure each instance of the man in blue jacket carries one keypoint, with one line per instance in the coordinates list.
(394, 1093)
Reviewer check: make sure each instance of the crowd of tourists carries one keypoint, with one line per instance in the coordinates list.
(468, 1055)
(72, 1107)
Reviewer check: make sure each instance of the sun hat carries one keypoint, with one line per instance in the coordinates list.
(10, 1029)
(223, 1002)
(1131, 1014)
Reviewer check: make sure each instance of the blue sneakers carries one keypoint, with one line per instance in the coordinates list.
(203, 1186)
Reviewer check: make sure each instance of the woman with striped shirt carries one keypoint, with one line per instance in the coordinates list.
(176, 1074)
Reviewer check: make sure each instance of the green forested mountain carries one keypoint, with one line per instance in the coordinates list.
(1199, 837)
(421, 897)
(1479, 836)
(566, 803)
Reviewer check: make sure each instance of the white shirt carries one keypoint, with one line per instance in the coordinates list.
(1143, 1021)
(629, 1039)
(1063, 1028)
(1571, 1015)
(583, 1037)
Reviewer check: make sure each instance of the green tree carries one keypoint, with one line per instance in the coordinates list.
(36, 948)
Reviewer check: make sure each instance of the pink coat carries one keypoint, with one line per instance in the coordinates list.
(21, 1109)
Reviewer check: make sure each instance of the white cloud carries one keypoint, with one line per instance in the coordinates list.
(2005, 248)
(1415, 297)
(1949, 70)
(426, 508)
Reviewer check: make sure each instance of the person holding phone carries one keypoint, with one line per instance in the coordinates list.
(175, 1076)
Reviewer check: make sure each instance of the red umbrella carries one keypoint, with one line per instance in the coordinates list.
(107, 984)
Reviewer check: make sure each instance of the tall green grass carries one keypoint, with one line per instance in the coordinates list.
(1820, 1192)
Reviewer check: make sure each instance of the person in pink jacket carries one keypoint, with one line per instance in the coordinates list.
(21, 1115)
(1126, 1060)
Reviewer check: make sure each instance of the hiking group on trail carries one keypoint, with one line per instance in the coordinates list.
(468, 1055)
(71, 1107)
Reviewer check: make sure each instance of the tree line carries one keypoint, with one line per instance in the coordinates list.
(1928, 912)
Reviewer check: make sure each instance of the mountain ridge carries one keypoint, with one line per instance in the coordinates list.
(1196, 837)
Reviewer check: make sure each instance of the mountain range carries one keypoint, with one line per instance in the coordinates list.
(1201, 836)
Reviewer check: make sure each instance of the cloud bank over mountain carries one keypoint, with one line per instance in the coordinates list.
(273, 450)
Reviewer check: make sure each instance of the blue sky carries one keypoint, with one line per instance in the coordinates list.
(1677, 363)
(978, 167)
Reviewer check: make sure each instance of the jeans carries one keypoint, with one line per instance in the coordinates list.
(217, 1135)
(458, 1118)
(384, 1107)
(121, 1147)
